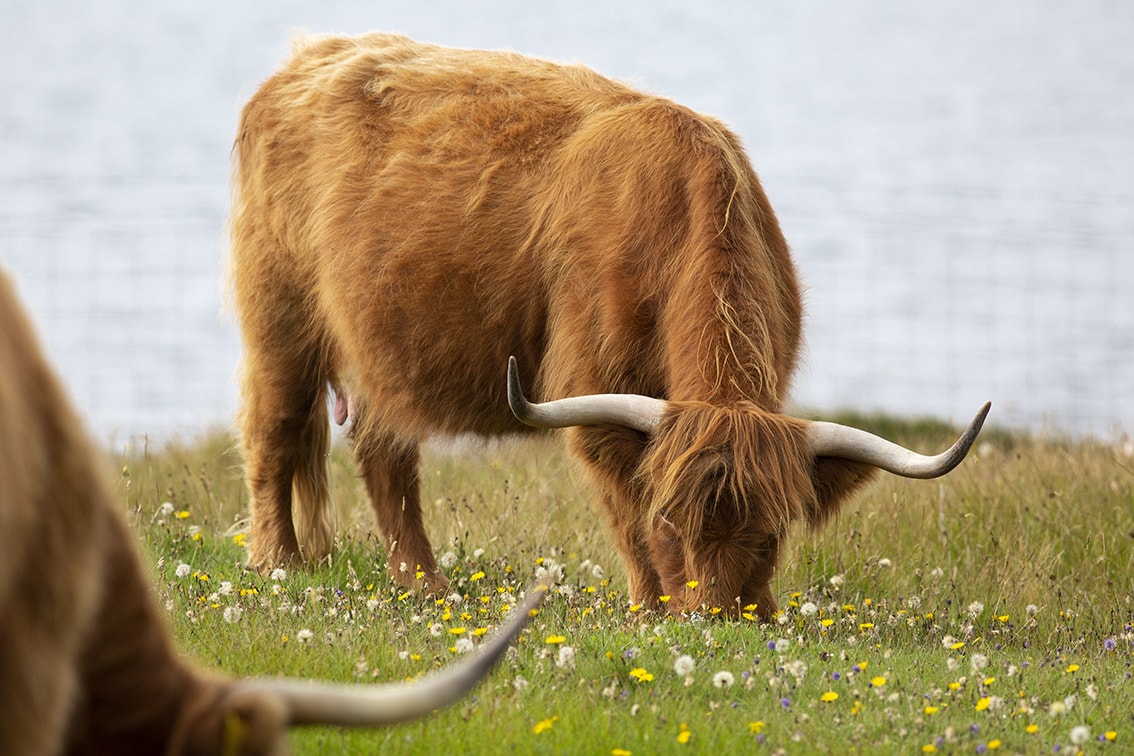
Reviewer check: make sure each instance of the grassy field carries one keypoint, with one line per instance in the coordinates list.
(990, 610)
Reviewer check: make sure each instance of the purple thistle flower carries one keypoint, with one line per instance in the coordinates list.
(835, 676)
(771, 645)
(785, 702)
(1109, 644)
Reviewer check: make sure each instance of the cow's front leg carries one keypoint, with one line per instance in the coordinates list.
(611, 455)
(390, 470)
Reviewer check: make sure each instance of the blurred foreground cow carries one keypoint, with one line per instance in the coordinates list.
(407, 216)
(85, 663)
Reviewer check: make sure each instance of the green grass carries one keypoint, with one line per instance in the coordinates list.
(991, 609)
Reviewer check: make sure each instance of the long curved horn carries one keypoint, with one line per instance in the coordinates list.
(631, 410)
(844, 442)
(374, 705)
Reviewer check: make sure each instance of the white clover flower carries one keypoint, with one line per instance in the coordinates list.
(447, 560)
(232, 614)
(464, 645)
(1079, 735)
(304, 636)
(166, 509)
(808, 609)
(279, 574)
(684, 665)
(975, 609)
(225, 588)
(566, 658)
(183, 570)
(723, 679)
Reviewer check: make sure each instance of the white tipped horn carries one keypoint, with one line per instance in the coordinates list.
(642, 413)
(844, 442)
(376, 705)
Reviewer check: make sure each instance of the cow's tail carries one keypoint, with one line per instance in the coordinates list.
(311, 507)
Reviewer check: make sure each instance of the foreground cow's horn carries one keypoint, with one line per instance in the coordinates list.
(844, 442)
(375, 705)
(631, 410)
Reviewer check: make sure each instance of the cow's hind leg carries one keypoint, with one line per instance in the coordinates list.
(390, 469)
(286, 437)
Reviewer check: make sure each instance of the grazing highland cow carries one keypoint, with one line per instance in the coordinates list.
(85, 662)
(407, 216)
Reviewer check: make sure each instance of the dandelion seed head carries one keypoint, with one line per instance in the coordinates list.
(1079, 735)
(448, 560)
(723, 679)
(304, 636)
(684, 665)
(183, 570)
(464, 645)
(884, 563)
(977, 662)
(975, 609)
(232, 614)
(566, 657)
(808, 609)
(166, 509)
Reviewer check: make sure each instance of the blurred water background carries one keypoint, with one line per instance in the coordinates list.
(956, 180)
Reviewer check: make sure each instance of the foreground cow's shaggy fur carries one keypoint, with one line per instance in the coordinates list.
(407, 216)
(85, 663)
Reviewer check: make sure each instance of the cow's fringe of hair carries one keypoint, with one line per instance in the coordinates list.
(707, 456)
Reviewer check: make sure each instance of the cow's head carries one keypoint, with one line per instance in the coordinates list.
(725, 482)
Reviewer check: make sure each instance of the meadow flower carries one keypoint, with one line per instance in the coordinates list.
(884, 563)
(544, 725)
(1079, 735)
(975, 609)
(836, 581)
(555, 639)
(566, 658)
(304, 636)
(684, 665)
(684, 735)
(232, 614)
(723, 679)
(641, 675)
(183, 570)
(279, 574)
(166, 509)
(829, 697)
